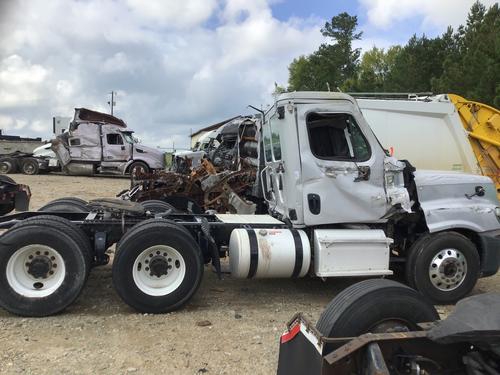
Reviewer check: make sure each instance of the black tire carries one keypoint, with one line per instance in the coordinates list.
(138, 166)
(156, 206)
(67, 204)
(72, 229)
(8, 165)
(420, 260)
(7, 207)
(55, 236)
(29, 166)
(150, 233)
(365, 306)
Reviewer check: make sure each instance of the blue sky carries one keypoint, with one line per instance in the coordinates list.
(176, 65)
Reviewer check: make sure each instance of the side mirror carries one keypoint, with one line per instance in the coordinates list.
(478, 191)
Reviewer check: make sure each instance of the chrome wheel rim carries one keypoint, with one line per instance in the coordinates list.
(448, 269)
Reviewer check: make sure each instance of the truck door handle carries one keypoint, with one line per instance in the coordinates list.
(314, 203)
(123, 148)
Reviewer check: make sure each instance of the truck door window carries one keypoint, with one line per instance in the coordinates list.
(114, 139)
(266, 130)
(275, 139)
(336, 136)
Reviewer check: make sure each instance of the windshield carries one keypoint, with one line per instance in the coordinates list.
(128, 138)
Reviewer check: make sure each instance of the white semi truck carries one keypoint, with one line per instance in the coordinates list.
(338, 205)
(95, 143)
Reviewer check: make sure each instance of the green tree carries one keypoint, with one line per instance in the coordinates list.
(472, 68)
(373, 70)
(333, 63)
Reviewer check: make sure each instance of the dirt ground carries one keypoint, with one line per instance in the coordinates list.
(99, 334)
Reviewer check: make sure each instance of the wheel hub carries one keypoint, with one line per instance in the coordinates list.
(448, 269)
(39, 267)
(158, 266)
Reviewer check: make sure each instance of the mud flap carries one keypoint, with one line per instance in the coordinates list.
(301, 352)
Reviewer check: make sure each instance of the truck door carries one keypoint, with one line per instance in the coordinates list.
(342, 165)
(115, 148)
(273, 172)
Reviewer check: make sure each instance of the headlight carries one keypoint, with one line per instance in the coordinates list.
(497, 212)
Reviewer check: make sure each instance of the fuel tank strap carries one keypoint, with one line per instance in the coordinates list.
(254, 253)
(299, 253)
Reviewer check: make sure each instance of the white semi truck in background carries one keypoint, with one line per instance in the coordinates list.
(95, 143)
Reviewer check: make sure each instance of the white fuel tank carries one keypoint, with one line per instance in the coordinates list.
(272, 253)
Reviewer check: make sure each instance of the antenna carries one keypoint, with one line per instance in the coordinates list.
(112, 103)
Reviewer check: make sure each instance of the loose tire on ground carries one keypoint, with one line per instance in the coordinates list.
(444, 267)
(375, 305)
(8, 165)
(156, 206)
(67, 204)
(42, 268)
(29, 166)
(157, 267)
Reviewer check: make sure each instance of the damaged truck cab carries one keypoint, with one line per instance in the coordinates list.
(326, 174)
(98, 143)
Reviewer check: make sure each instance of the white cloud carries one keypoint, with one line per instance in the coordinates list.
(172, 72)
(174, 13)
(440, 14)
(20, 81)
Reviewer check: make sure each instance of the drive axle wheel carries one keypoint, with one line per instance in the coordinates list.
(66, 204)
(30, 166)
(42, 268)
(156, 206)
(157, 267)
(444, 267)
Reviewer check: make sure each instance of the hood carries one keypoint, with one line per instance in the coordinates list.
(448, 200)
(433, 178)
(140, 149)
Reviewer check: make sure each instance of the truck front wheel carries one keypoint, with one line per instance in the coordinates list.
(157, 267)
(444, 267)
(138, 167)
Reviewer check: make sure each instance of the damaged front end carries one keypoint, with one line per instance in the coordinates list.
(204, 187)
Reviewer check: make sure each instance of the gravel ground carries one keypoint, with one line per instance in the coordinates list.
(230, 326)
